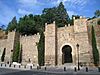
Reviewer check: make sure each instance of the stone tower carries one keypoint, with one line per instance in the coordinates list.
(82, 38)
(50, 44)
(13, 37)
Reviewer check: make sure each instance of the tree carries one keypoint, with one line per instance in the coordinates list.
(62, 15)
(12, 25)
(41, 49)
(97, 13)
(49, 14)
(39, 23)
(57, 14)
(94, 48)
(31, 25)
(16, 52)
(27, 25)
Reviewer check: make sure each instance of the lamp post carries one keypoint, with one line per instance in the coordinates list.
(78, 55)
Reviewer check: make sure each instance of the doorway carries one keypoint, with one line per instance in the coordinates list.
(66, 54)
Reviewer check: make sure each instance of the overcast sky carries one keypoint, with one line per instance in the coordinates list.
(18, 8)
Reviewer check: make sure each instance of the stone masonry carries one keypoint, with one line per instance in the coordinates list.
(60, 43)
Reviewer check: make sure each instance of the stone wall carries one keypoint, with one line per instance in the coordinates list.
(55, 40)
(82, 38)
(10, 46)
(68, 35)
(85, 48)
(2, 34)
(29, 49)
(97, 35)
(97, 31)
(2, 46)
(80, 25)
(65, 36)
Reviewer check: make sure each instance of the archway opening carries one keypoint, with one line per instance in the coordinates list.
(67, 54)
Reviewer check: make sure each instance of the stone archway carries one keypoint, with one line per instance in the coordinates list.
(67, 54)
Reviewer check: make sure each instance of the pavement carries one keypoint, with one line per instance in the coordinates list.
(48, 71)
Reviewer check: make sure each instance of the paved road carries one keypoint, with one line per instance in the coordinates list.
(4, 71)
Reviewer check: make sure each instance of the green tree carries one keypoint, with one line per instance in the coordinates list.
(16, 53)
(49, 14)
(27, 25)
(39, 23)
(62, 15)
(94, 48)
(12, 25)
(41, 49)
(97, 13)
(57, 14)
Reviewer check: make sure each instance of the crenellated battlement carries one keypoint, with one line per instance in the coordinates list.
(67, 29)
(30, 36)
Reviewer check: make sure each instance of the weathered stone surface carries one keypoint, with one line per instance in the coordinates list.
(55, 40)
(29, 49)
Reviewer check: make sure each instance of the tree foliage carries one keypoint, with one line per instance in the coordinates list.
(57, 14)
(27, 25)
(97, 13)
(12, 25)
(94, 48)
(30, 24)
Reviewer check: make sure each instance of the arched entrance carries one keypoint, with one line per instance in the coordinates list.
(66, 54)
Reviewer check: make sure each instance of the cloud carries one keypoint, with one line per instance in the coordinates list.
(23, 12)
(72, 5)
(58, 1)
(28, 2)
(71, 2)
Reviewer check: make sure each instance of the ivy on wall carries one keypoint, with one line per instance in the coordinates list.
(94, 48)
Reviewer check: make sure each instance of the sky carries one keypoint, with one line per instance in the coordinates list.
(19, 8)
